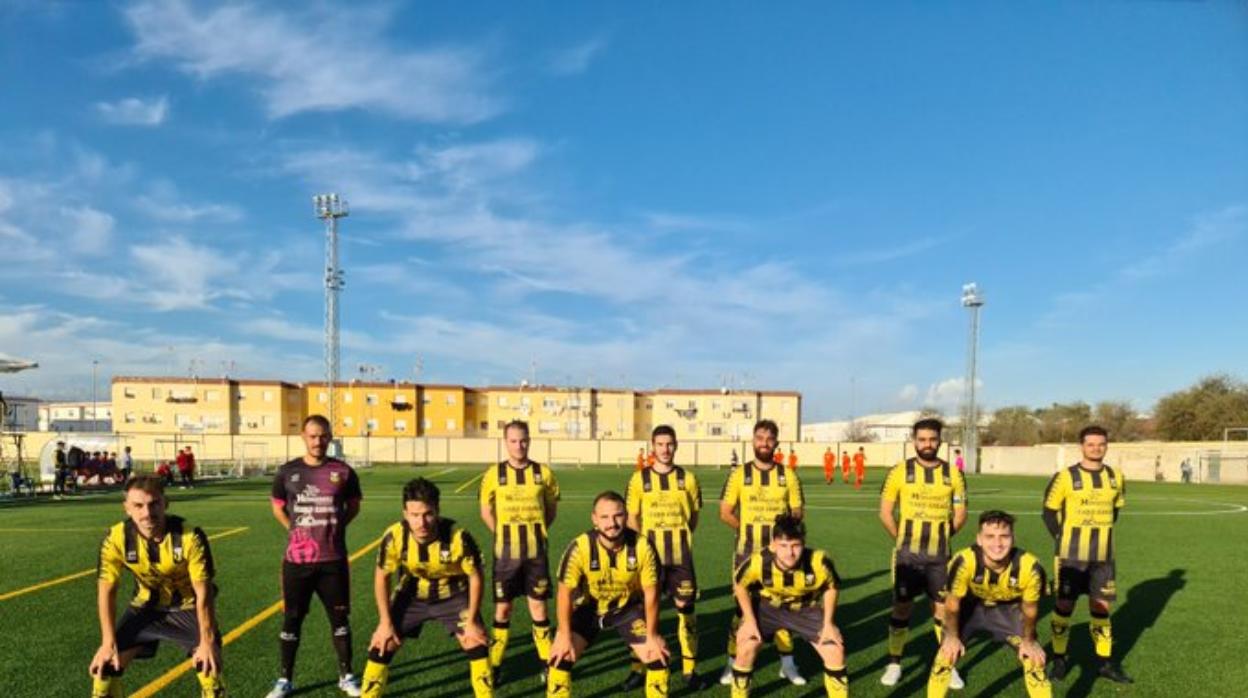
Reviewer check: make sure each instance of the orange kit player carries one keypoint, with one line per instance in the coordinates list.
(860, 468)
(845, 467)
(641, 459)
(829, 466)
(792, 460)
(650, 459)
(778, 457)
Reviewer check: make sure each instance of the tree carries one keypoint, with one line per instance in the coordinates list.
(1119, 419)
(1013, 426)
(1060, 423)
(858, 432)
(1201, 412)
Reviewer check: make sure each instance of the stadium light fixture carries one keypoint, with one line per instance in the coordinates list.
(972, 300)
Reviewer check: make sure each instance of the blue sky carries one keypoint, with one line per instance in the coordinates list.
(646, 194)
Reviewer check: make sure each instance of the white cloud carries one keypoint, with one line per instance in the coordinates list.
(908, 394)
(575, 60)
(135, 111)
(947, 394)
(90, 230)
(320, 59)
(181, 212)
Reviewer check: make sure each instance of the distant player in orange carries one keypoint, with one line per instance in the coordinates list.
(641, 459)
(792, 460)
(845, 467)
(829, 466)
(650, 459)
(778, 457)
(860, 467)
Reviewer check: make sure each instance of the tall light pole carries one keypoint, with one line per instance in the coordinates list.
(972, 300)
(329, 208)
(95, 365)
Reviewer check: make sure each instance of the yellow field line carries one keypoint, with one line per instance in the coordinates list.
(173, 674)
(77, 575)
(469, 483)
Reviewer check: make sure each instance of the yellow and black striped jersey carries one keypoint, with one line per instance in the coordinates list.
(665, 502)
(800, 587)
(520, 497)
(437, 569)
(609, 580)
(760, 495)
(163, 570)
(928, 497)
(1086, 502)
(1021, 580)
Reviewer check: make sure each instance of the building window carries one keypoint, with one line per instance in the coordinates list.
(212, 395)
(715, 429)
(130, 418)
(784, 406)
(348, 422)
(450, 424)
(400, 425)
(450, 399)
(548, 427)
(426, 424)
(268, 396)
(525, 402)
(550, 404)
(155, 393)
(692, 428)
(322, 397)
(671, 404)
(371, 398)
(348, 397)
(502, 400)
(371, 425)
(127, 392)
(426, 400)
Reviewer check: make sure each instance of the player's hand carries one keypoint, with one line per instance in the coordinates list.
(474, 632)
(207, 658)
(562, 649)
(106, 655)
(1030, 649)
(655, 647)
(951, 649)
(831, 635)
(385, 639)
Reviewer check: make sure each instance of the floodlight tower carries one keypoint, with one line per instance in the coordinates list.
(972, 300)
(329, 208)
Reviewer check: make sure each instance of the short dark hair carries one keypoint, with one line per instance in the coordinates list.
(1093, 430)
(768, 425)
(996, 516)
(422, 490)
(516, 424)
(318, 419)
(147, 482)
(661, 430)
(788, 526)
(610, 496)
(929, 423)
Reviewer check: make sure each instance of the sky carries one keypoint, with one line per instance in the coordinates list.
(758, 196)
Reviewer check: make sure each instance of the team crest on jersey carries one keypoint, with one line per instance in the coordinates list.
(537, 477)
(541, 586)
(638, 628)
(294, 478)
(445, 555)
(810, 579)
(335, 477)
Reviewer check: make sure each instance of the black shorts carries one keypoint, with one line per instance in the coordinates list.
(1095, 579)
(331, 581)
(914, 575)
(514, 578)
(629, 623)
(679, 582)
(806, 622)
(1001, 622)
(146, 628)
(410, 614)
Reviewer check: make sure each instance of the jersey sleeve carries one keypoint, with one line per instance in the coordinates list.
(961, 570)
(1055, 494)
(732, 487)
(388, 553)
(550, 491)
(199, 557)
(278, 493)
(1121, 500)
(892, 485)
(797, 498)
(1034, 585)
(352, 492)
(571, 566)
(649, 562)
(470, 553)
(695, 493)
(110, 564)
(748, 573)
(488, 487)
(632, 495)
(828, 569)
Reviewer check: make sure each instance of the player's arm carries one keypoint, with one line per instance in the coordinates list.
(741, 581)
(797, 498)
(959, 501)
(960, 573)
(562, 648)
(695, 495)
(487, 503)
(550, 500)
(1054, 500)
(655, 647)
(106, 603)
(830, 634)
(353, 497)
(207, 656)
(632, 502)
(1029, 648)
(476, 588)
(277, 499)
(888, 504)
(385, 638)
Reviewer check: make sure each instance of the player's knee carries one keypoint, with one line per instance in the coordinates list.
(383, 658)
(292, 623)
(1099, 607)
(903, 609)
(475, 650)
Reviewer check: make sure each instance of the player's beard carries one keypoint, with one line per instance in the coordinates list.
(613, 537)
(927, 454)
(763, 455)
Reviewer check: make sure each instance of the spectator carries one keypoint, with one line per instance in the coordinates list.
(1185, 469)
(60, 472)
(165, 472)
(958, 460)
(186, 467)
(127, 464)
